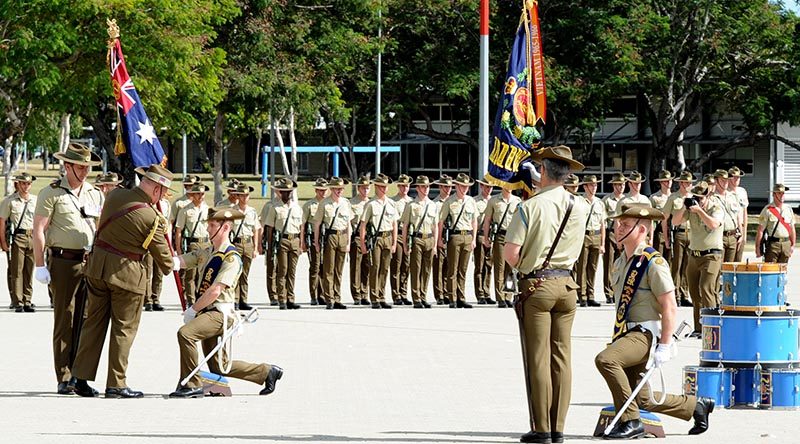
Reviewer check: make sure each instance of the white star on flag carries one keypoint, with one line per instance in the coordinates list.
(146, 132)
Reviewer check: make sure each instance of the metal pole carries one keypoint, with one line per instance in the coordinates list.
(183, 150)
(263, 171)
(483, 118)
(378, 100)
(271, 155)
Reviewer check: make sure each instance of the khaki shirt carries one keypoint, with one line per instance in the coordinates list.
(11, 210)
(659, 200)
(535, 225)
(357, 207)
(177, 206)
(372, 214)
(730, 204)
(188, 217)
(628, 199)
(497, 206)
(744, 201)
(481, 202)
(656, 281)
(400, 204)
(249, 225)
(597, 214)
(675, 203)
(612, 203)
(701, 237)
(226, 203)
(279, 213)
(327, 209)
(265, 211)
(770, 222)
(66, 227)
(228, 274)
(452, 207)
(414, 213)
(309, 210)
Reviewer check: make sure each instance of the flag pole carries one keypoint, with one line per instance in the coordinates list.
(483, 118)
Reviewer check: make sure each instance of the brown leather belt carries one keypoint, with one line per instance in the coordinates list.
(681, 230)
(729, 233)
(198, 240)
(103, 245)
(66, 253)
(422, 235)
(592, 232)
(21, 231)
(291, 236)
(501, 233)
(384, 234)
(461, 232)
(241, 239)
(701, 253)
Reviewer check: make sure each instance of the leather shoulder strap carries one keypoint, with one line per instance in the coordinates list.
(560, 231)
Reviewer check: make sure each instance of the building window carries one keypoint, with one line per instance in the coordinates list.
(622, 107)
(302, 162)
(740, 157)
(612, 157)
(590, 158)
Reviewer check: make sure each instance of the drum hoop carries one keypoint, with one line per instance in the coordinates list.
(772, 407)
(753, 267)
(741, 361)
(754, 308)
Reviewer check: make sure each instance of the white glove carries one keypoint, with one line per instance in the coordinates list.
(662, 355)
(176, 263)
(188, 315)
(41, 274)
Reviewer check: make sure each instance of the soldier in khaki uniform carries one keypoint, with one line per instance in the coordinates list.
(734, 177)
(546, 305)
(284, 222)
(191, 233)
(440, 258)
(499, 211)
(398, 269)
(152, 298)
(648, 316)
(611, 201)
(680, 237)
(661, 239)
(211, 315)
(272, 285)
(129, 227)
(635, 180)
(233, 196)
(776, 228)
(482, 255)
(705, 249)
(332, 237)
(107, 182)
(245, 237)
(179, 203)
(64, 224)
(463, 212)
(571, 183)
(733, 224)
(17, 209)
(594, 239)
(359, 262)
(379, 217)
(420, 221)
(307, 242)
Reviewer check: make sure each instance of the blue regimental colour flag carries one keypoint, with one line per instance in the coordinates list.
(135, 132)
(522, 106)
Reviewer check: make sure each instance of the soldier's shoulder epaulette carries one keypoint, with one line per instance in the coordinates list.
(55, 183)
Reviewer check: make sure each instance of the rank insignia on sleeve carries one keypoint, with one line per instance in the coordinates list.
(660, 261)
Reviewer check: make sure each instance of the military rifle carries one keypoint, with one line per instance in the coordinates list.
(9, 237)
(371, 236)
(277, 237)
(492, 231)
(446, 229)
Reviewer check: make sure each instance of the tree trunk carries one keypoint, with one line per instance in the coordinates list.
(216, 172)
(282, 147)
(9, 185)
(293, 143)
(257, 163)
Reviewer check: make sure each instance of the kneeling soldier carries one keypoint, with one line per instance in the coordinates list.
(213, 313)
(645, 322)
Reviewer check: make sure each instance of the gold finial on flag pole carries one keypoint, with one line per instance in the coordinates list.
(113, 29)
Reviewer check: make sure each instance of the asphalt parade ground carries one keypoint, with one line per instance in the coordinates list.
(361, 375)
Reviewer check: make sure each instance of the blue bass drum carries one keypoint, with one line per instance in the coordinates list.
(710, 382)
(780, 389)
(747, 387)
(742, 339)
(754, 287)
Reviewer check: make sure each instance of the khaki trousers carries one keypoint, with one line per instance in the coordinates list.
(608, 262)
(398, 276)
(65, 276)
(359, 272)
(502, 270)
(381, 257)
(20, 270)
(124, 311)
(482, 271)
(587, 266)
(286, 270)
(702, 276)
(314, 279)
(207, 327)
(679, 263)
(421, 259)
(192, 276)
(621, 364)
(246, 250)
(778, 251)
(458, 252)
(156, 280)
(728, 248)
(660, 244)
(740, 248)
(333, 258)
(272, 285)
(440, 274)
(547, 327)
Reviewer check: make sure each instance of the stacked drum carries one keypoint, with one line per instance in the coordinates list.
(750, 348)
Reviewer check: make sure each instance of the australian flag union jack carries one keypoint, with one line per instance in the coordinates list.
(135, 132)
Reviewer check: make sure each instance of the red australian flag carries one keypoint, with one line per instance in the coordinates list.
(135, 133)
